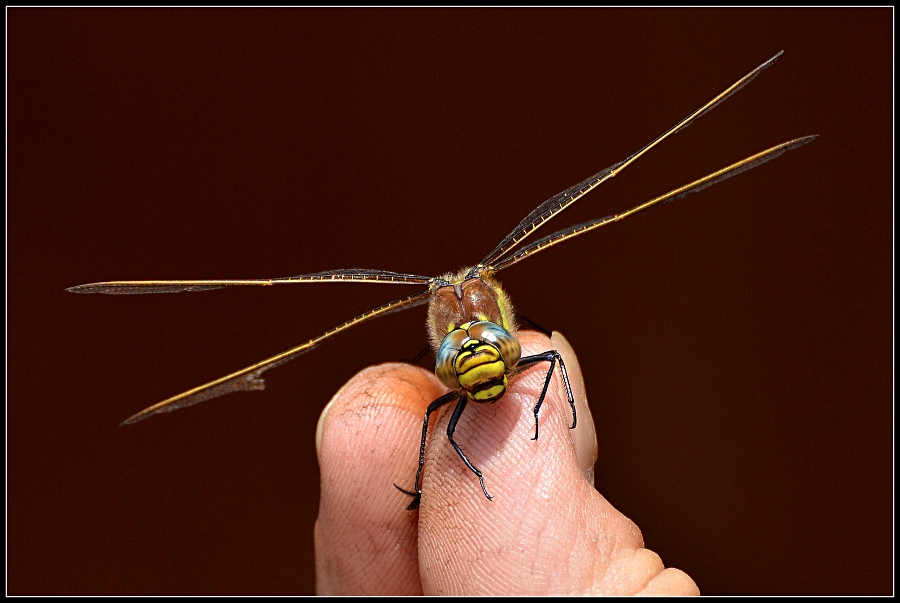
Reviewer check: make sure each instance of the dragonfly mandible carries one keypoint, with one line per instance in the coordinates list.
(471, 324)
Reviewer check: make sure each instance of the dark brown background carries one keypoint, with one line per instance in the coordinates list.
(736, 344)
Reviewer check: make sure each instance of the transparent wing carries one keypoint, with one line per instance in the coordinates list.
(248, 379)
(695, 186)
(553, 206)
(333, 276)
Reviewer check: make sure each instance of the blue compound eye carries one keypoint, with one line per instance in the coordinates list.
(498, 337)
(446, 355)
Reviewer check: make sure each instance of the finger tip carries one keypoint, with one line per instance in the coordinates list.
(367, 436)
(391, 386)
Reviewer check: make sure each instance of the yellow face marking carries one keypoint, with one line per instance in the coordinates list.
(468, 359)
(461, 357)
(482, 373)
(486, 395)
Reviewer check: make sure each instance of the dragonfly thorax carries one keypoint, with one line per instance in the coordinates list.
(460, 298)
(477, 357)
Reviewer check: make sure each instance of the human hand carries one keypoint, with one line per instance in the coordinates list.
(546, 532)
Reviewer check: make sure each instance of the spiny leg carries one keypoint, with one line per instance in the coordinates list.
(420, 355)
(536, 326)
(552, 357)
(417, 495)
(457, 413)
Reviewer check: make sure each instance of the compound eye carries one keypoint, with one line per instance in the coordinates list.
(498, 337)
(446, 357)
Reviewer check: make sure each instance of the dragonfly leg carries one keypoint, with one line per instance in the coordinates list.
(457, 413)
(552, 357)
(533, 324)
(417, 494)
(420, 355)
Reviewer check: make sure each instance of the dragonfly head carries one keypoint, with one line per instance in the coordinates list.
(477, 357)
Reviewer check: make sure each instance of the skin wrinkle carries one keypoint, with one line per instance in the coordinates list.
(671, 580)
(642, 566)
(581, 576)
(612, 576)
(654, 567)
(474, 562)
(616, 568)
(540, 538)
(518, 439)
(604, 544)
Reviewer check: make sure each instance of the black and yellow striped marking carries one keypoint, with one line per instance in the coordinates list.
(481, 371)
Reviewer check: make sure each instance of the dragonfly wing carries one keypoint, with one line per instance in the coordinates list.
(248, 379)
(553, 206)
(546, 210)
(695, 186)
(334, 276)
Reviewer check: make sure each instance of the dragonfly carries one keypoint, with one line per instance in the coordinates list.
(471, 324)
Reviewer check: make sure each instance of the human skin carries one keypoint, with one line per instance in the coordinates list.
(547, 531)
